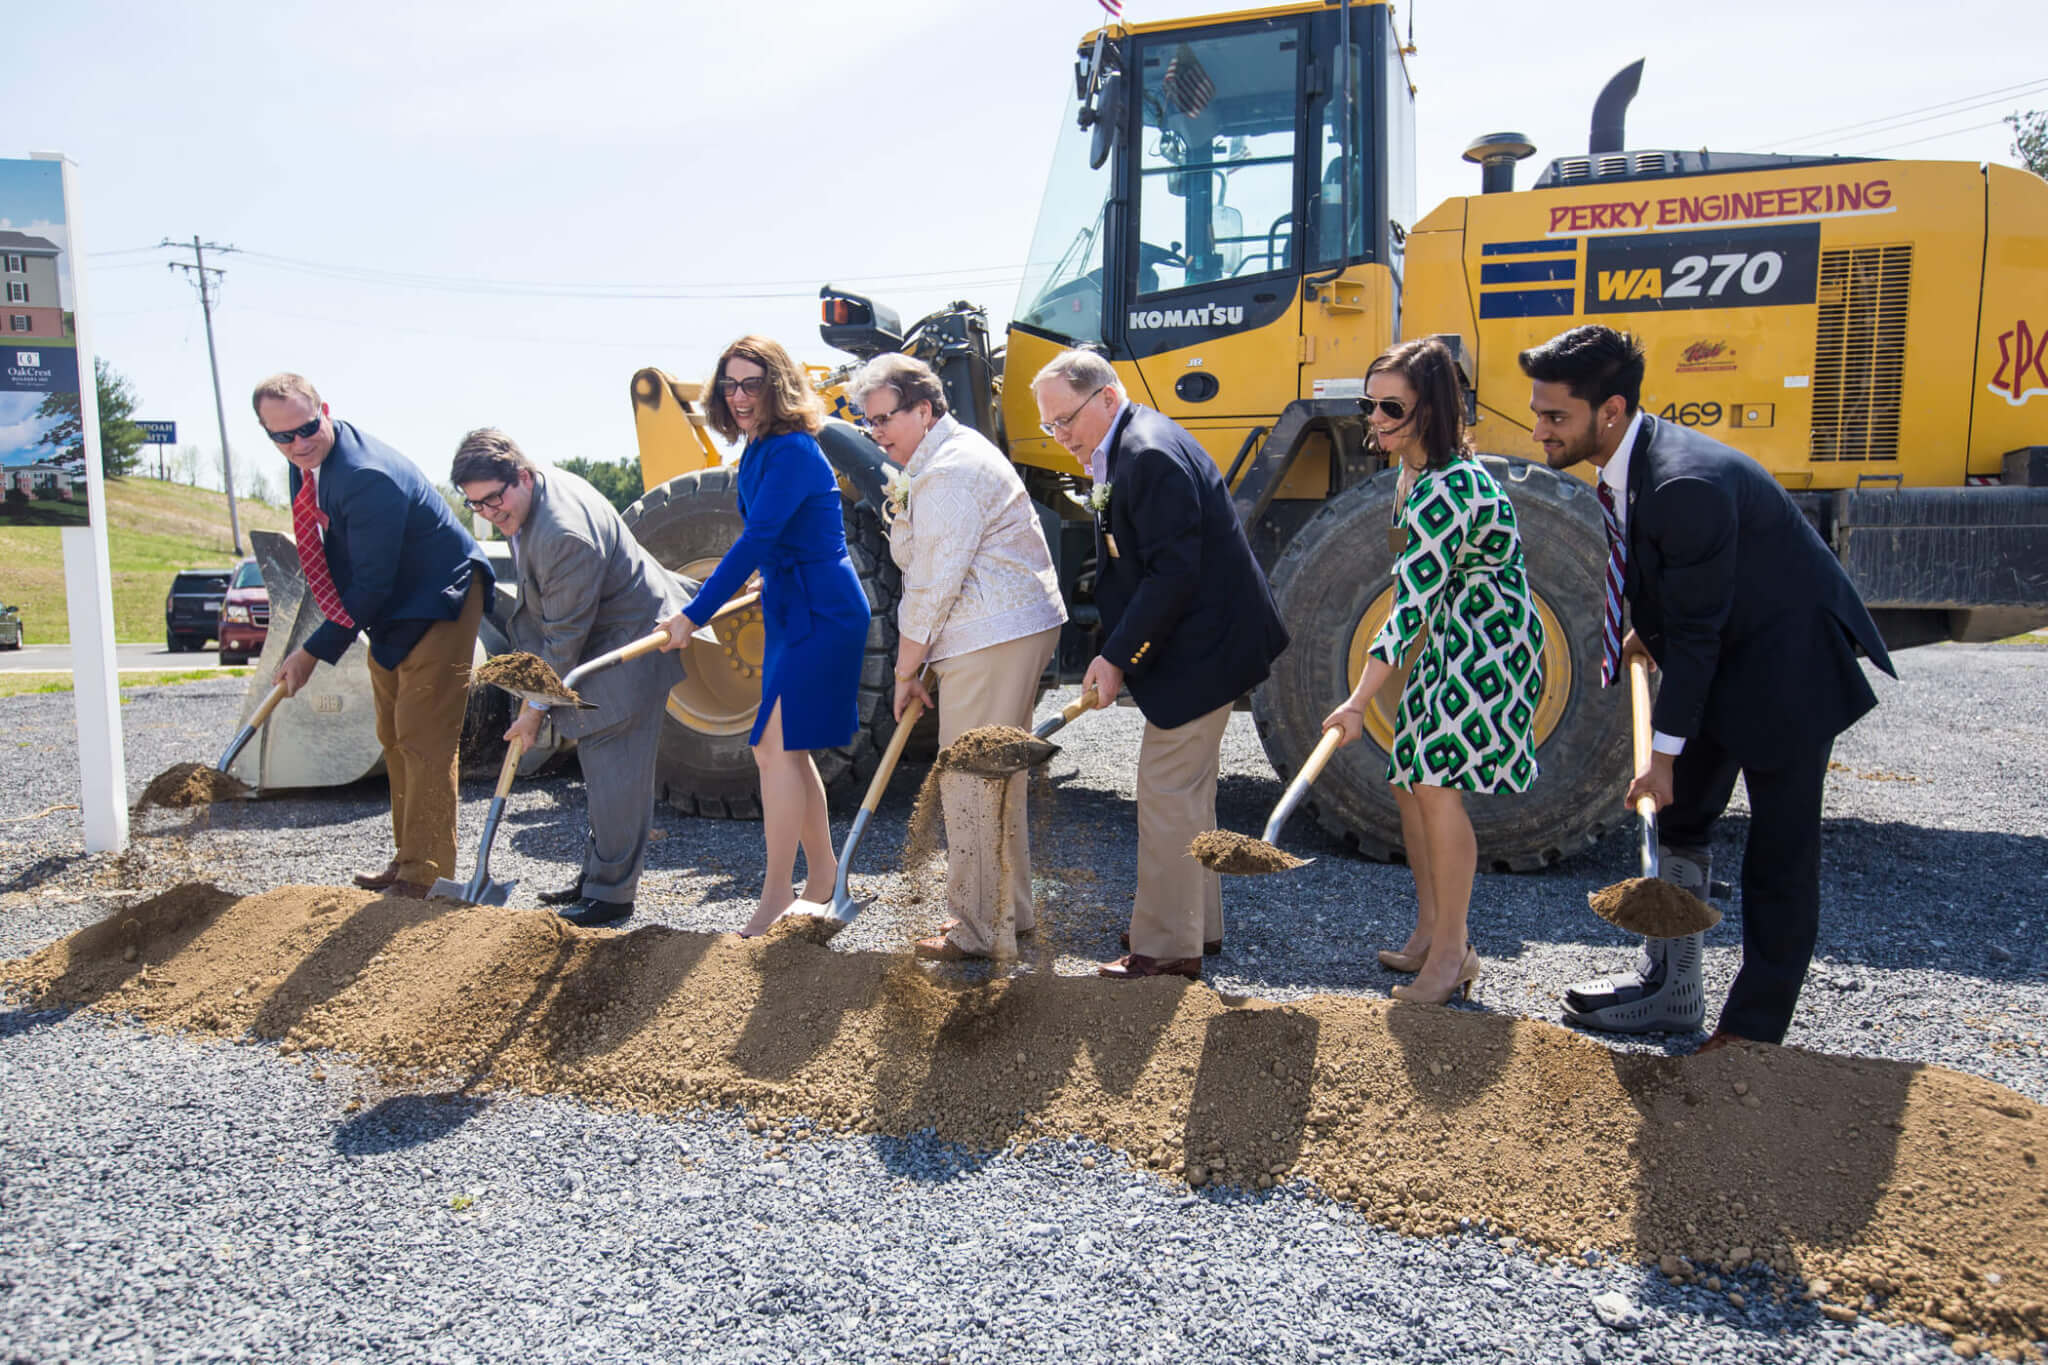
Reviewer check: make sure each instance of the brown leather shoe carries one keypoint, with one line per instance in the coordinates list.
(939, 948)
(377, 881)
(414, 890)
(1131, 966)
(1718, 1040)
(1210, 947)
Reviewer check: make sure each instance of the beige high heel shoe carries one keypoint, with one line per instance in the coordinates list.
(1394, 960)
(1468, 972)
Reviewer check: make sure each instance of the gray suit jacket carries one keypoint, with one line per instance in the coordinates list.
(586, 587)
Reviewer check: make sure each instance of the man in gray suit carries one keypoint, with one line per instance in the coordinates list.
(585, 588)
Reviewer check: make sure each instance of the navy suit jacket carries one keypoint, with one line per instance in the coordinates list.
(399, 558)
(1751, 619)
(1186, 612)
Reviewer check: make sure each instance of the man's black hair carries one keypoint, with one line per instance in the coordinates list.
(1594, 362)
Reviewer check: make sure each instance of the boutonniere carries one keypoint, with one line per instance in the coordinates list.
(1098, 498)
(896, 491)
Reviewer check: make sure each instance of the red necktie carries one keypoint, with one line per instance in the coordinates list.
(306, 522)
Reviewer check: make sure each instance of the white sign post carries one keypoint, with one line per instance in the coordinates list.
(88, 588)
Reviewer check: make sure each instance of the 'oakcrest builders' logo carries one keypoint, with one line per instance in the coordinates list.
(2021, 351)
(29, 360)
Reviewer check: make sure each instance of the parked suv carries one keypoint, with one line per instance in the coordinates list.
(244, 615)
(10, 627)
(192, 608)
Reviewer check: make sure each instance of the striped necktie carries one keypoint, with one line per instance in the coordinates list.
(1617, 568)
(306, 523)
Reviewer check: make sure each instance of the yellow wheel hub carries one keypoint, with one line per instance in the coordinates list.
(1380, 711)
(722, 687)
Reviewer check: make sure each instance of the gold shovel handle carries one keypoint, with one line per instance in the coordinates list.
(1087, 701)
(1639, 725)
(912, 710)
(277, 694)
(510, 769)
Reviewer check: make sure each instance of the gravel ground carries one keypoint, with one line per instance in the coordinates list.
(162, 1198)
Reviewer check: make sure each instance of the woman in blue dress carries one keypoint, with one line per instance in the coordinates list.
(815, 609)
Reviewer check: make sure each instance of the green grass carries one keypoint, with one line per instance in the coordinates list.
(26, 684)
(153, 530)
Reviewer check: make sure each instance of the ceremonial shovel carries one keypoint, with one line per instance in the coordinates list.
(844, 907)
(1649, 905)
(1246, 856)
(248, 732)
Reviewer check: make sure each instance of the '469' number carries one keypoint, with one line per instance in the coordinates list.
(1692, 414)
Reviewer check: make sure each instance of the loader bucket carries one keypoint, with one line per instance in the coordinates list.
(326, 736)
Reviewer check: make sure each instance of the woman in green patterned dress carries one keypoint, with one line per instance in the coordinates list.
(1468, 710)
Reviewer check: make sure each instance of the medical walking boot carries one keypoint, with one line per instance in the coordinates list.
(1665, 991)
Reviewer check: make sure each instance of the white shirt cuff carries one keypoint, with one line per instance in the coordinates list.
(1667, 744)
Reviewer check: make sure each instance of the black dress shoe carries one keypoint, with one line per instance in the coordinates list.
(1210, 947)
(587, 913)
(565, 895)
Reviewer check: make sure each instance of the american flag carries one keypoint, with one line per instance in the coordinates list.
(1186, 83)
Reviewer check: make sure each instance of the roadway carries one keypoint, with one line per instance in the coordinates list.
(146, 657)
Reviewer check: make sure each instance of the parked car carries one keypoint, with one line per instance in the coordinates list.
(192, 608)
(10, 627)
(244, 615)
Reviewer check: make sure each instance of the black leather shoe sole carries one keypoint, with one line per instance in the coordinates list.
(567, 895)
(588, 914)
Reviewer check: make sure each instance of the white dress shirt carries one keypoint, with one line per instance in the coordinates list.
(1615, 475)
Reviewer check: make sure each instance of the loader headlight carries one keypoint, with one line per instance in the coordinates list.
(237, 615)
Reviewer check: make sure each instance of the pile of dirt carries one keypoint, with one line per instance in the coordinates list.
(1221, 850)
(995, 751)
(1915, 1186)
(1653, 907)
(528, 675)
(184, 785)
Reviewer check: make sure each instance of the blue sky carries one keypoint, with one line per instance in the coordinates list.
(403, 178)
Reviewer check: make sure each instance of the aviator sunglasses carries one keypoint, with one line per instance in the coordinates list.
(1394, 408)
(285, 438)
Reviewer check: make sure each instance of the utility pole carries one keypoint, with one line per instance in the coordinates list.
(206, 276)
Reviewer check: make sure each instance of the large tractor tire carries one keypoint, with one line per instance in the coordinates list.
(1333, 585)
(704, 767)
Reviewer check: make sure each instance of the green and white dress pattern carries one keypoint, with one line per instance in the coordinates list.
(1468, 712)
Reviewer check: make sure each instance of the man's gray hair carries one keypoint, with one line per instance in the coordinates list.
(909, 378)
(1081, 371)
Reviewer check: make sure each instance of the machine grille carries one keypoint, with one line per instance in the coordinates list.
(1859, 359)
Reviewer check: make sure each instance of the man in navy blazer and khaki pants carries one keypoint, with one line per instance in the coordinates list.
(382, 553)
(1187, 621)
(1754, 627)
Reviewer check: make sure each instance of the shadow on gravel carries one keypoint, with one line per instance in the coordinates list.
(43, 869)
(618, 986)
(1259, 1061)
(402, 1121)
(23, 1019)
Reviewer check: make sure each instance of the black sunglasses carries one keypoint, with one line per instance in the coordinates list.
(1394, 408)
(285, 438)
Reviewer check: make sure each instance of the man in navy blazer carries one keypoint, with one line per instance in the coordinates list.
(1755, 628)
(382, 553)
(1188, 622)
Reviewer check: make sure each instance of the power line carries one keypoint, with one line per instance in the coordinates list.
(208, 277)
(1925, 114)
(1933, 137)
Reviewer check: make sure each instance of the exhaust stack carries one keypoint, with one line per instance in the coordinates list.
(1610, 111)
(1496, 155)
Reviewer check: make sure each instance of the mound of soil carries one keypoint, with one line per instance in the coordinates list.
(183, 785)
(1917, 1188)
(1653, 907)
(1221, 850)
(525, 674)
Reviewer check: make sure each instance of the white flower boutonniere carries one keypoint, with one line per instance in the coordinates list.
(1098, 498)
(896, 492)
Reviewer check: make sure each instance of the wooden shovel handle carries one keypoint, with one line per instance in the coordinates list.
(646, 644)
(912, 710)
(1639, 725)
(277, 694)
(1320, 757)
(510, 769)
(1087, 701)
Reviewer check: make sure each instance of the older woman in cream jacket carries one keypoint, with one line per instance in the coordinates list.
(981, 608)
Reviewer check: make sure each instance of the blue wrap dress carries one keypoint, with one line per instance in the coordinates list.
(815, 609)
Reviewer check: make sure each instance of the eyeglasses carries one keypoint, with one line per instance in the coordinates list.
(1394, 408)
(1060, 424)
(750, 386)
(285, 438)
(490, 502)
(876, 419)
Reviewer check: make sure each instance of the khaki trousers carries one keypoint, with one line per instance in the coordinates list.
(1179, 902)
(420, 705)
(988, 872)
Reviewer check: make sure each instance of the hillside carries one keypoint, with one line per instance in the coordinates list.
(154, 529)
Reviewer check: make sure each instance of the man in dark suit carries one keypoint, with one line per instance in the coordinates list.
(585, 588)
(1754, 627)
(1187, 621)
(382, 553)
